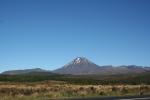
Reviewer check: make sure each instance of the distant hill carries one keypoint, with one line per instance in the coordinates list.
(25, 71)
(83, 66)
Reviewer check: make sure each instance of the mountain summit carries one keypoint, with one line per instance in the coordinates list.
(79, 61)
(79, 65)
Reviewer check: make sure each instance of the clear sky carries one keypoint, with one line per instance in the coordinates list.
(50, 33)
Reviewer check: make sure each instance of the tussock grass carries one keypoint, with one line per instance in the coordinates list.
(59, 89)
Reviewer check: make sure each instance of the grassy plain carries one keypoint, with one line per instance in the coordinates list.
(59, 89)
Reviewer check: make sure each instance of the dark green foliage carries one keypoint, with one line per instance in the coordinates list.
(95, 80)
(102, 93)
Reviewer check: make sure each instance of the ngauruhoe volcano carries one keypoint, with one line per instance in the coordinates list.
(79, 65)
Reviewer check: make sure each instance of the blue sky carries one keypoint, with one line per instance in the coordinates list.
(49, 33)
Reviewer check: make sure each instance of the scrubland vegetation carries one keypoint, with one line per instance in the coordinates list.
(43, 87)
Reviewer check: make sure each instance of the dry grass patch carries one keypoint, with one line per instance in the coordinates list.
(59, 89)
